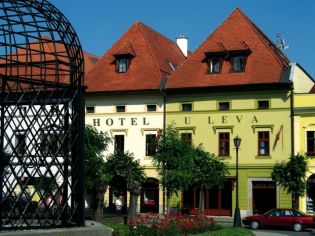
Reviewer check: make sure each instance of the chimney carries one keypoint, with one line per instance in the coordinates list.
(182, 43)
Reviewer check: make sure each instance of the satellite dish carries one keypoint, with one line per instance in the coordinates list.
(281, 43)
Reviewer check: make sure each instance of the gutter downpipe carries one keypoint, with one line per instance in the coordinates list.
(292, 121)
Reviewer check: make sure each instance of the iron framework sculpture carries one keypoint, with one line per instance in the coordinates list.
(41, 103)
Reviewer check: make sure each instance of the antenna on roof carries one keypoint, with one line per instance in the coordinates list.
(281, 43)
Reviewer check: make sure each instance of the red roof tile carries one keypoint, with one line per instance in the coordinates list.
(265, 63)
(27, 62)
(152, 54)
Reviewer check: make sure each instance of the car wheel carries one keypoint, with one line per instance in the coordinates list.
(254, 224)
(297, 227)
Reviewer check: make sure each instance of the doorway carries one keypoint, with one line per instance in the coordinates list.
(264, 196)
(149, 201)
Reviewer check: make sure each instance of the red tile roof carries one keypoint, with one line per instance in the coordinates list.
(265, 62)
(313, 89)
(152, 54)
(42, 59)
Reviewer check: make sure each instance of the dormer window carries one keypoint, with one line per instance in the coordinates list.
(214, 65)
(122, 64)
(238, 63)
(123, 57)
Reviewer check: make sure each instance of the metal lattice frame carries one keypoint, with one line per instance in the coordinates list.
(41, 102)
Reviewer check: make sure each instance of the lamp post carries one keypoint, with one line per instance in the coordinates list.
(163, 91)
(237, 214)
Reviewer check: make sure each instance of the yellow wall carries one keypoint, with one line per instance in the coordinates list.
(304, 120)
(245, 120)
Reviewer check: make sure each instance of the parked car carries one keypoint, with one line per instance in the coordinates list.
(280, 217)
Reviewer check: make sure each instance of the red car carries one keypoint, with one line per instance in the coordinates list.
(291, 218)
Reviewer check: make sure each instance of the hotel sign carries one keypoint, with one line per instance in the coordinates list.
(122, 121)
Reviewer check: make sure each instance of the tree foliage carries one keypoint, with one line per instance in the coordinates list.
(95, 144)
(122, 166)
(126, 173)
(208, 172)
(291, 176)
(174, 161)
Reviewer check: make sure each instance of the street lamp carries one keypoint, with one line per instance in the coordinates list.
(237, 214)
(163, 91)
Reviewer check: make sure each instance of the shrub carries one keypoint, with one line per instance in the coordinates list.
(172, 224)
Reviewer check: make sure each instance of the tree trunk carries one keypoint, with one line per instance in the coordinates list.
(133, 203)
(168, 201)
(201, 201)
(295, 201)
(98, 214)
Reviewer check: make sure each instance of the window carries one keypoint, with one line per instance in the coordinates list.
(238, 63)
(187, 138)
(150, 144)
(151, 107)
(52, 144)
(119, 143)
(186, 107)
(214, 64)
(263, 143)
(20, 143)
(22, 110)
(122, 65)
(310, 135)
(224, 144)
(90, 109)
(224, 106)
(263, 104)
(54, 109)
(120, 108)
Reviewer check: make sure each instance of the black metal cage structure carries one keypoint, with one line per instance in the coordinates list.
(42, 120)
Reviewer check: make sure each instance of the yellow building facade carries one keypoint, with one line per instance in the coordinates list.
(304, 128)
(245, 119)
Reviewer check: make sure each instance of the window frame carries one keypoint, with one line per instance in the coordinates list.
(20, 147)
(120, 106)
(184, 138)
(226, 141)
(262, 107)
(242, 65)
(50, 142)
(310, 139)
(262, 140)
(119, 147)
(122, 64)
(90, 107)
(151, 105)
(211, 66)
(150, 145)
(187, 104)
(224, 102)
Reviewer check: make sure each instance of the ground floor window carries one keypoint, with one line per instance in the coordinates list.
(217, 201)
(149, 200)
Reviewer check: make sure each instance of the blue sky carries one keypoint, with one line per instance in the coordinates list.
(100, 23)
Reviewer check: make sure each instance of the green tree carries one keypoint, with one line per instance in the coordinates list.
(123, 170)
(96, 180)
(174, 162)
(208, 173)
(291, 176)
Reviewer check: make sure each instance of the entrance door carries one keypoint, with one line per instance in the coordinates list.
(150, 196)
(219, 201)
(264, 196)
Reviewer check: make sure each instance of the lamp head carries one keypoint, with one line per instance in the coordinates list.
(237, 141)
